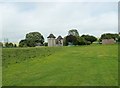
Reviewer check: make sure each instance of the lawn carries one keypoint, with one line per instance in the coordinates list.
(93, 65)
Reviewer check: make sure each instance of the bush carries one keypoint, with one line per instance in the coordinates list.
(81, 41)
(45, 44)
(89, 38)
(9, 45)
(71, 39)
(23, 43)
(14, 45)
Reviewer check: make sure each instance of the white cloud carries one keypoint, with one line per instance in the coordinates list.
(57, 18)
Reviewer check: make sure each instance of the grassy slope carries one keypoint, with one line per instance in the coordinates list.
(75, 66)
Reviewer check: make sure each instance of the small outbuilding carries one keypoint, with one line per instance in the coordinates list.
(59, 41)
(108, 41)
(52, 41)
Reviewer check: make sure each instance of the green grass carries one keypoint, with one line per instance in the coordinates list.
(94, 65)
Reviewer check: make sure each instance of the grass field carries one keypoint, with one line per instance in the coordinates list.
(94, 65)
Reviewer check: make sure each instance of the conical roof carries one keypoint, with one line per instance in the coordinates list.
(51, 36)
(59, 38)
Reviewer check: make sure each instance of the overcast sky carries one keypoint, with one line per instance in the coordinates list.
(94, 18)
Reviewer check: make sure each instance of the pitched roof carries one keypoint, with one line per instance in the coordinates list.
(59, 38)
(51, 36)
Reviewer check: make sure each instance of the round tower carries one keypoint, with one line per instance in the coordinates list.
(51, 40)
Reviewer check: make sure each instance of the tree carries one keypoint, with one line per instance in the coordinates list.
(109, 36)
(45, 44)
(10, 45)
(89, 38)
(14, 45)
(23, 43)
(71, 40)
(81, 41)
(32, 39)
(73, 32)
(64, 41)
(30, 43)
(119, 39)
(35, 37)
(6, 44)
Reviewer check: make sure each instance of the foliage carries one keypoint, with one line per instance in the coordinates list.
(9, 45)
(46, 44)
(73, 32)
(119, 39)
(14, 45)
(75, 40)
(32, 40)
(35, 37)
(6, 44)
(109, 36)
(81, 41)
(64, 41)
(70, 39)
(89, 38)
(23, 43)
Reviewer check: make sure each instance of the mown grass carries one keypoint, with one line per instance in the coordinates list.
(94, 65)
(18, 55)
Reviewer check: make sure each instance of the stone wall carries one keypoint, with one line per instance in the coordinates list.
(108, 41)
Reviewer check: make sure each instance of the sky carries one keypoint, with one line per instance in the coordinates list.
(57, 17)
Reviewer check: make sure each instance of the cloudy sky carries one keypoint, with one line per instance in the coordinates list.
(94, 18)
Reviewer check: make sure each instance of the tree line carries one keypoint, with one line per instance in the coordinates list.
(73, 38)
(8, 45)
(33, 39)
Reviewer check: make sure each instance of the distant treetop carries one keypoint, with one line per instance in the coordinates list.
(73, 32)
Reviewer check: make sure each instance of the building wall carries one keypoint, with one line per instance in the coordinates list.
(51, 42)
(108, 41)
(60, 43)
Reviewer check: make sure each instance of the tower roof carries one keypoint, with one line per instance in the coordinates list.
(51, 36)
(59, 38)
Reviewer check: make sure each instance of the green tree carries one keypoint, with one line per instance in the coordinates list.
(89, 38)
(6, 44)
(73, 32)
(10, 45)
(14, 45)
(46, 44)
(33, 38)
(109, 36)
(64, 41)
(119, 39)
(71, 40)
(81, 41)
(23, 43)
